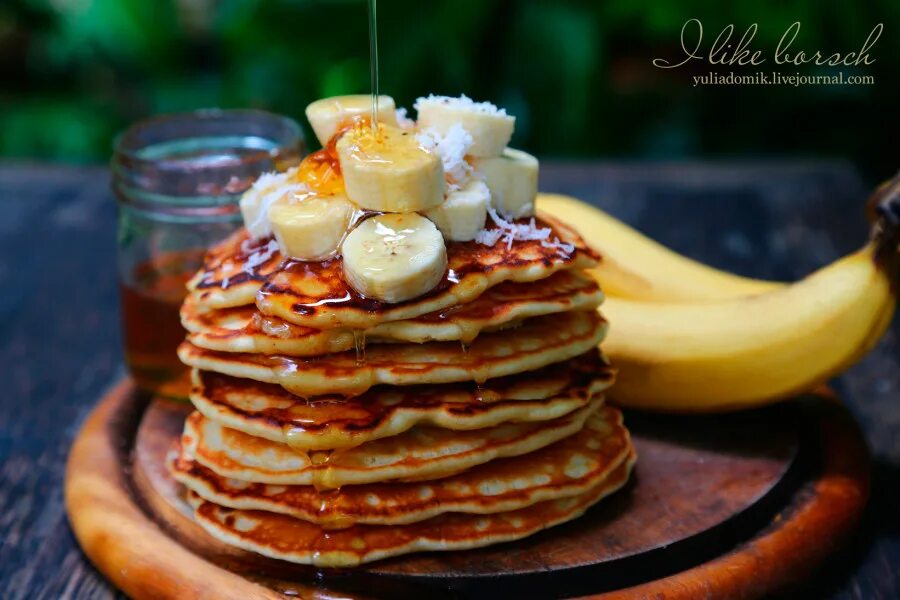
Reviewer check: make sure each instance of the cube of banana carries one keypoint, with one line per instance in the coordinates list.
(328, 115)
(311, 228)
(265, 191)
(490, 127)
(463, 213)
(512, 178)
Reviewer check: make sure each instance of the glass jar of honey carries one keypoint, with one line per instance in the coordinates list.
(177, 180)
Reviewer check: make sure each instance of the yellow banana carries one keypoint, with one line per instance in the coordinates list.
(634, 266)
(749, 351)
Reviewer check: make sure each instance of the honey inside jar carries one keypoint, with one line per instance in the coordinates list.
(151, 326)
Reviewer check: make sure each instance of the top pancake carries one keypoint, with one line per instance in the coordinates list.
(239, 271)
(244, 329)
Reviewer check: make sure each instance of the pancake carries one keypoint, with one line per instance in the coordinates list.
(244, 329)
(536, 343)
(287, 538)
(314, 294)
(420, 453)
(567, 468)
(233, 271)
(269, 411)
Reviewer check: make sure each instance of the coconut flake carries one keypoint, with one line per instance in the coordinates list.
(488, 237)
(510, 232)
(559, 245)
(451, 147)
(267, 180)
(403, 120)
(247, 246)
(462, 102)
(260, 256)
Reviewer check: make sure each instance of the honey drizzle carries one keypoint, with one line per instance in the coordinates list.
(322, 470)
(373, 62)
(479, 391)
(359, 344)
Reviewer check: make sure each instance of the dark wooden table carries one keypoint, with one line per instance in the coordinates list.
(60, 346)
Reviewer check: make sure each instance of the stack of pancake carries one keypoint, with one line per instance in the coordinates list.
(332, 429)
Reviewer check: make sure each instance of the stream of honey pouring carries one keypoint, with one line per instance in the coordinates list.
(373, 61)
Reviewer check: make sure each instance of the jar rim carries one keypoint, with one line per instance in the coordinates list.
(205, 153)
(122, 141)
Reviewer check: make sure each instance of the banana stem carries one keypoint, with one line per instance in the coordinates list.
(885, 206)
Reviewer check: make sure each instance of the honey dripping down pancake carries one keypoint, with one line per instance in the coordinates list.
(244, 329)
(566, 468)
(314, 294)
(269, 411)
(536, 343)
(287, 538)
(420, 453)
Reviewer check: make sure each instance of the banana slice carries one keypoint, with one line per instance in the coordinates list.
(388, 170)
(490, 127)
(329, 114)
(394, 257)
(462, 214)
(512, 178)
(311, 228)
(265, 191)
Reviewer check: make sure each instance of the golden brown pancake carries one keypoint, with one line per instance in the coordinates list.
(535, 344)
(233, 271)
(566, 468)
(287, 538)
(314, 294)
(420, 453)
(244, 329)
(269, 411)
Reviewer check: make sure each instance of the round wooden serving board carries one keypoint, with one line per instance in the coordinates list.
(718, 507)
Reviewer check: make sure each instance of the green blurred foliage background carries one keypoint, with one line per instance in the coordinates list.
(577, 74)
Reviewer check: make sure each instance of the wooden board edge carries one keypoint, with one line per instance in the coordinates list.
(118, 537)
(799, 539)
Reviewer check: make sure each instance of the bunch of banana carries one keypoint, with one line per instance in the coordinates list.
(689, 338)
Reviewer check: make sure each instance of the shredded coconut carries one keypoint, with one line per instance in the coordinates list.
(268, 188)
(510, 232)
(488, 237)
(462, 102)
(403, 120)
(452, 148)
(564, 248)
(260, 256)
(267, 180)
